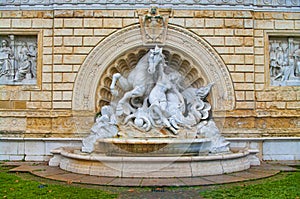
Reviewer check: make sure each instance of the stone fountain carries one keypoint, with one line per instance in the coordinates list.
(155, 126)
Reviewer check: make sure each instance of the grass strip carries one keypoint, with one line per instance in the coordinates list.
(12, 186)
(287, 187)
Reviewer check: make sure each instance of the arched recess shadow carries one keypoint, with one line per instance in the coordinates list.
(189, 45)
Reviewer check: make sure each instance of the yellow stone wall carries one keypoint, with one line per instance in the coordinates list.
(66, 37)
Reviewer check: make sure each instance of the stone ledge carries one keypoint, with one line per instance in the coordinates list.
(121, 5)
(39, 139)
(71, 159)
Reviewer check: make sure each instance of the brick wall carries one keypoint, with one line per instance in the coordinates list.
(68, 36)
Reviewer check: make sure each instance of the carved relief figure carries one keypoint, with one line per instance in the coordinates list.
(273, 64)
(27, 60)
(297, 62)
(18, 60)
(284, 61)
(6, 55)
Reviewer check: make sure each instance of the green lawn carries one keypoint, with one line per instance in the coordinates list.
(13, 186)
(287, 187)
(25, 185)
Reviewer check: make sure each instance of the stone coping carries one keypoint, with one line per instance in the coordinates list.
(262, 138)
(71, 153)
(55, 173)
(287, 6)
(96, 164)
(79, 139)
(39, 139)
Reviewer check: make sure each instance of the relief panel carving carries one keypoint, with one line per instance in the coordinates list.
(18, 59)
(12, 125)
(284, 63)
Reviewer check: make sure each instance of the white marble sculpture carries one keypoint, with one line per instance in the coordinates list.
(153, 102)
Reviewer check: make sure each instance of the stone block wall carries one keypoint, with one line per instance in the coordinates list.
(67, 37)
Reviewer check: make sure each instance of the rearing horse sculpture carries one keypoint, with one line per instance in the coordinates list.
(140, 80)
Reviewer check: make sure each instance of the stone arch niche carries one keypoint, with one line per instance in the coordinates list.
(194, 58)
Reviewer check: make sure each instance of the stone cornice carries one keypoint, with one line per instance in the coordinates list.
(255, 5)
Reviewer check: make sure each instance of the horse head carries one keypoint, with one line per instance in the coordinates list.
(154, 59)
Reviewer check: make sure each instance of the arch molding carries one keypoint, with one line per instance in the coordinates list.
(195, 49)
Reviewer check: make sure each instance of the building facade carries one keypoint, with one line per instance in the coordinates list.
(57, 59)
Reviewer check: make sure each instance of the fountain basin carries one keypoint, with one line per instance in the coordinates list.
(152, 147)
(73, 160)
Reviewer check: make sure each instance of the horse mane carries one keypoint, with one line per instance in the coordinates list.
(143, 62)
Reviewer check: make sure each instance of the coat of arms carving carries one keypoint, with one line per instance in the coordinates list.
(154, 24)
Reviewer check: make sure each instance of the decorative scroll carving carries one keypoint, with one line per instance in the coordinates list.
(18, 59)
(154, 24)
(284, 61)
